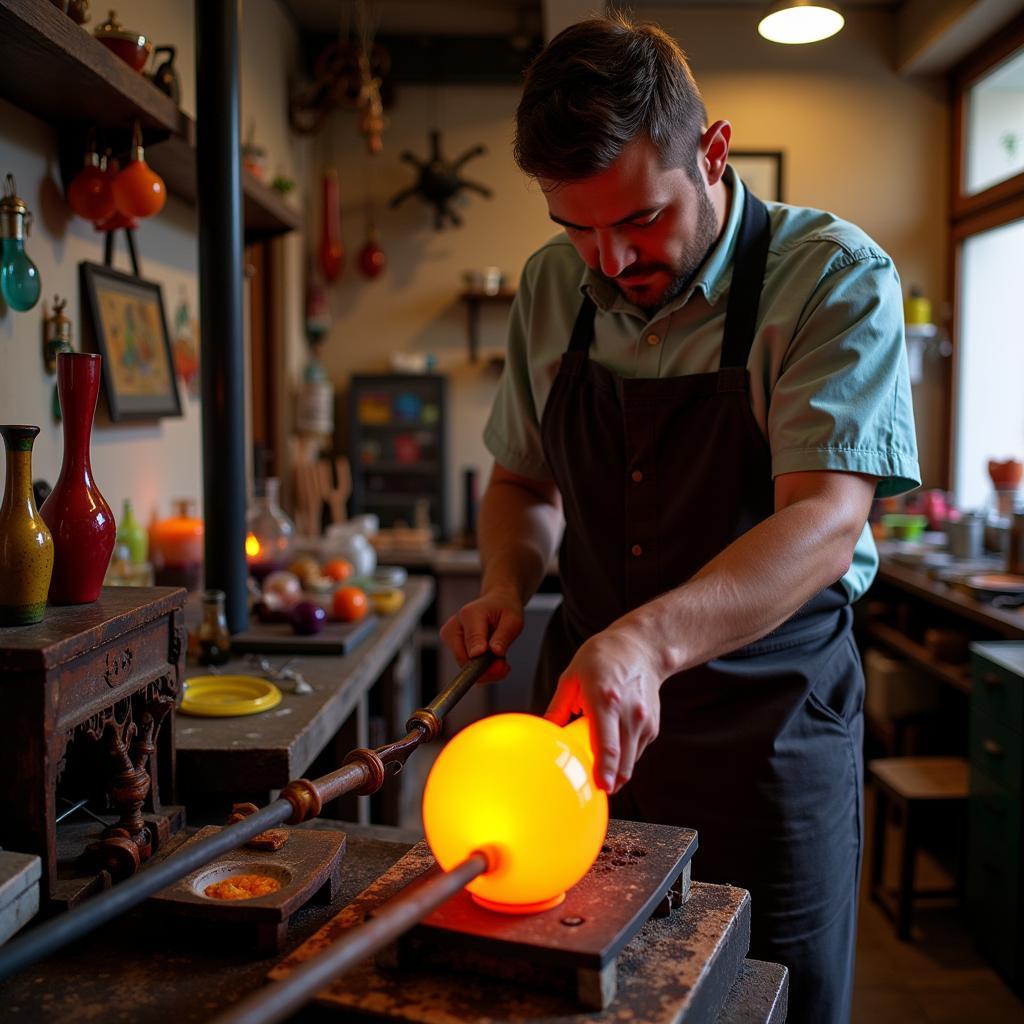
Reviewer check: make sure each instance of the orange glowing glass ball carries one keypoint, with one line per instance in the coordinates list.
(524, 787)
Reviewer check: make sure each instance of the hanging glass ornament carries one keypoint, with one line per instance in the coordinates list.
(19, 278)
(138, 190)
(89, 194)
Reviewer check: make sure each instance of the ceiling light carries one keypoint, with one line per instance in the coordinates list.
(800, 21)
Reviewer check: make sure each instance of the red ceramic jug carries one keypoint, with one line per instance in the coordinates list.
(76, 513)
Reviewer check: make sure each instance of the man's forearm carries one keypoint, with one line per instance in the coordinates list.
(753, 586)
(518, 532)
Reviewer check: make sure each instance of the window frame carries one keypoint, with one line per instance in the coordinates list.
(969, 215)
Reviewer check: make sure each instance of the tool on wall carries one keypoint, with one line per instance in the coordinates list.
(440, 181)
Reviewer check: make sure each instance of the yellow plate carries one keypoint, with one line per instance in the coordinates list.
(225, 696)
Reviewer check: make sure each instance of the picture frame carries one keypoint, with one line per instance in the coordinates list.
(761, 171)
(126, 317)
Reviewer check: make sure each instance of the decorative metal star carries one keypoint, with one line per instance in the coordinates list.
(440, 182)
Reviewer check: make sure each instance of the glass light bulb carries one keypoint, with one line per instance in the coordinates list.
(803, 24)
(19, 278)
(520, 785)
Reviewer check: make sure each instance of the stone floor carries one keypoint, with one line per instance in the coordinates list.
(937, 978)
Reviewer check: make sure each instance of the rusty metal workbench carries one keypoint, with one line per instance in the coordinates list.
(138, 970)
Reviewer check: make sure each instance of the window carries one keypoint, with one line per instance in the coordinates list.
(988, 261)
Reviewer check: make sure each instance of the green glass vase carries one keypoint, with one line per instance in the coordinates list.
(26, 546)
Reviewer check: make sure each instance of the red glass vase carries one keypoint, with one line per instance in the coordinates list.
(77, 514)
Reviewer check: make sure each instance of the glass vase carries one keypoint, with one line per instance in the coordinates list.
(76, 512)
(26, 547)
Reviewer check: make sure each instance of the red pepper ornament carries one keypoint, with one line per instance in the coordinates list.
(332, 252)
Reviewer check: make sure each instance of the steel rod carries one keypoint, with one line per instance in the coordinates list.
(300, 800)
(277, 1000)
(51, 936)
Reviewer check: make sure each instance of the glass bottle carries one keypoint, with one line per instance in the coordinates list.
(133, 535)
(213, 641)
(269, 532)
(19, 277)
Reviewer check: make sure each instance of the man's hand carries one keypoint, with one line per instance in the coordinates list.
(492, 621)
(614, 681)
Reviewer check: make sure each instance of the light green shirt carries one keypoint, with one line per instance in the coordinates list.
(829, 386)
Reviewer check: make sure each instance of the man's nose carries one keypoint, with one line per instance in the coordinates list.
(614, 253)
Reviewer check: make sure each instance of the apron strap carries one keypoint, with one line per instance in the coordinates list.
(583, 328)
(747, 279)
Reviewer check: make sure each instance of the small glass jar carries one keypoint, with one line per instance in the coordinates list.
(213, 641)
(269, 532)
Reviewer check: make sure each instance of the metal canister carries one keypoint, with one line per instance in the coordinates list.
(966, 536)
(1015, 547)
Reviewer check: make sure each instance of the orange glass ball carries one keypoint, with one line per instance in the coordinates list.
(90, 195)
(524, 788)
(139, 191)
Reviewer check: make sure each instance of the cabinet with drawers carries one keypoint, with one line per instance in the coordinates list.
(995, 871)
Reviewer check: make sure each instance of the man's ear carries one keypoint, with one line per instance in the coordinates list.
(714, 150)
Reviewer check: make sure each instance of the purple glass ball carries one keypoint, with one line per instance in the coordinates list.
(307, 618)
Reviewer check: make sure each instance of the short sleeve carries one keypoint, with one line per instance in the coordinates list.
(842, 400)
(512, 433)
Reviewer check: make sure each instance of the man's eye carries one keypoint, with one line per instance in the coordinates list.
(647, 223)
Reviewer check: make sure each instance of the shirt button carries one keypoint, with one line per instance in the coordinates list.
(653, 339)
(637, 550)
(637, 476)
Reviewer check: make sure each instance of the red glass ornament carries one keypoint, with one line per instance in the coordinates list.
(332, 252)
(138, 190)
(372, 260)
(76, 513)
(89, 194)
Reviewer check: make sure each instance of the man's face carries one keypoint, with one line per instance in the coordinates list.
(644, 228)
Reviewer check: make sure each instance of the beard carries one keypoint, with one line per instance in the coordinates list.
(682, 273)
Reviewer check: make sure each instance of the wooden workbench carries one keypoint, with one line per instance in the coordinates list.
(249, 757)
(138, 970)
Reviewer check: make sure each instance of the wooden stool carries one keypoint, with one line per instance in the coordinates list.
(918, 786)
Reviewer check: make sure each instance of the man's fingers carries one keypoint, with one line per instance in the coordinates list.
(452, 634)
(509, 626)
(628, 747)
(565, 701)
(604, 727)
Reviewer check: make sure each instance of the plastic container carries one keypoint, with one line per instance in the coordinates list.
(904, 526)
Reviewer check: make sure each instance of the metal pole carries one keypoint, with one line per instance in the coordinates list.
(281, 998)
(48, 938)
(219, 188)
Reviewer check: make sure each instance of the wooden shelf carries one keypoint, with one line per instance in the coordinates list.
(474, 300)
(953, 675)
(55, 70)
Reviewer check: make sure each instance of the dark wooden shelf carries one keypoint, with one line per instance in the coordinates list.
(55, 70)
(265, 213)
(474, 299)
(953, 675)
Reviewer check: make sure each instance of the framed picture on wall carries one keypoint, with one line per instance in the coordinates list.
(761, 172)
(126, 315)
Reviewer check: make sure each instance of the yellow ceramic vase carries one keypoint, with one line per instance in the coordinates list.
(26, 547)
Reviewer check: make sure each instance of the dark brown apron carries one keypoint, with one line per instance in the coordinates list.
(760, 751)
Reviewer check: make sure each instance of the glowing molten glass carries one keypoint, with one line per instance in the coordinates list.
(523, 787)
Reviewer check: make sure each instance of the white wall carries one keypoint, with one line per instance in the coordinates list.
(858, 140)
(152, 463)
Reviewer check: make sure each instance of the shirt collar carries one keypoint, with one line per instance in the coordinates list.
(712, 278)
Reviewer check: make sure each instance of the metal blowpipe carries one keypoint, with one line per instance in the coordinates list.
(362, 773)
(279, 999)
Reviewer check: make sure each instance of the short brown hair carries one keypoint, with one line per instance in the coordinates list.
(597, 86)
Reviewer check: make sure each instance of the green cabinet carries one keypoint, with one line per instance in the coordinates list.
(995, 871)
